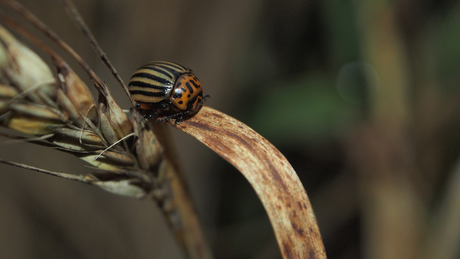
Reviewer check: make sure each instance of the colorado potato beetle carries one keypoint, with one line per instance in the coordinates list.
(166, 90)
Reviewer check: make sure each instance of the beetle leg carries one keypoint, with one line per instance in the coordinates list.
(178, 120)
(148, 116)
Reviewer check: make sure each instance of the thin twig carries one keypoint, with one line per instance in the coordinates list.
(78, 178)
(73, 13)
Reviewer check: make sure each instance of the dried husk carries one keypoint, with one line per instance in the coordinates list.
(63, 114)
(70, 118)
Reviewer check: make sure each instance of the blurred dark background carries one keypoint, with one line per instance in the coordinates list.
(360, 96)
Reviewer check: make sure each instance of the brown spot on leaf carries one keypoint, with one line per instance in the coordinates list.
(218, 116)
(300, 205)
(297, 229)
(195, 124)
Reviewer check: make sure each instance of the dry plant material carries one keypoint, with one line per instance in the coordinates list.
(270, 174)
(60, 112)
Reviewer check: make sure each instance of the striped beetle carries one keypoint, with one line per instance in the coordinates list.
(166, 90)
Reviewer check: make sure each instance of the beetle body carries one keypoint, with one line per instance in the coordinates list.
(166, 90)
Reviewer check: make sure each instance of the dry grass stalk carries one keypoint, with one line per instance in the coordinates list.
(132, 161)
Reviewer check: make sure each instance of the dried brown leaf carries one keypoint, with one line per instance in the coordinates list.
(270, 174)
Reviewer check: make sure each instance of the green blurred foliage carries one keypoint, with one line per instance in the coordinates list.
(305, 110)
(448, 47)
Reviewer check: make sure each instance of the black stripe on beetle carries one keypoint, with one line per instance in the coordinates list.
(161, 71)
(176, 66)
(146, 93)
(170, 69)
(147, 85)
(153, 77)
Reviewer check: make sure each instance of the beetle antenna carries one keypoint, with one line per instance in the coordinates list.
(73, 13)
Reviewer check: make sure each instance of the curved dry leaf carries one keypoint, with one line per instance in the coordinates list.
(270, 174)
